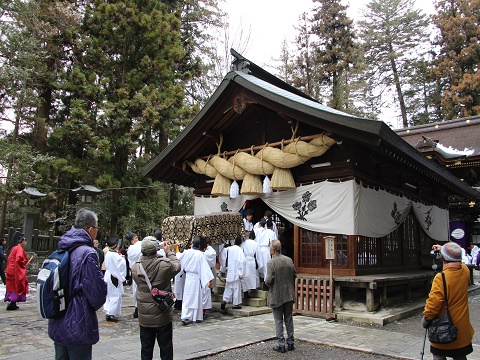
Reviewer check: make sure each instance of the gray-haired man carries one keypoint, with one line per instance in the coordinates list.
(280, 280)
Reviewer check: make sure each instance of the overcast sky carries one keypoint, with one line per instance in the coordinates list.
(272, 21)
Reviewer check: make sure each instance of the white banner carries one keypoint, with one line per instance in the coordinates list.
(339, 208)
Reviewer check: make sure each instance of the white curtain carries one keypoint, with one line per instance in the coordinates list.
(340, 208)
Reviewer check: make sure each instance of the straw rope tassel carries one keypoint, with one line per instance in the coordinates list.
(252, 183)
(282, 178)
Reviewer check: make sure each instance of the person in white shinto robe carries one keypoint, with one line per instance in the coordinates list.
(258, 229)
(115, 266)
(235, 264)
(222, 253)
(247, 220)
(134, 253)
(466, 259)
(265, 239)
(179, 284)
(253, 258)
(211, 257)
(474, 254)
(197, 278)
(268, 216)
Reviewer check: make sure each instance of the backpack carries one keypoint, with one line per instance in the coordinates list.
(53, 285)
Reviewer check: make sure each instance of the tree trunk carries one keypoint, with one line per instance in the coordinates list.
(41, 119)
(336, 92)
(170, 199)
(3, 210)
(401, 101)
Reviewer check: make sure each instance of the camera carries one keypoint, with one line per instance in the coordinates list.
(435, 254)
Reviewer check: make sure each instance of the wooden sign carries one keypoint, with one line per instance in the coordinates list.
(329, 247)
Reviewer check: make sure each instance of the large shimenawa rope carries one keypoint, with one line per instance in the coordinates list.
(264, 162)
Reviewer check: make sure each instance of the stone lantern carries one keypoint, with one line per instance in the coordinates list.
(87, 195)
(30, 195)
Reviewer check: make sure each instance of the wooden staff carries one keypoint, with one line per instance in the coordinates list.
(31, 258)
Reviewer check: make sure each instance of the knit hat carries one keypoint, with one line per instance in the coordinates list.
(130, 235)
(451, 252)
(149, 245)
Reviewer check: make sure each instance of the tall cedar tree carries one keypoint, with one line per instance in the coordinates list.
(200, 21)
(392, 33)
(127, 88)
(24, 30)
(335, 47)
(456, 66)
(304, 71)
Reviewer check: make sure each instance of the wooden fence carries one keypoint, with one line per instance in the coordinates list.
(314, 296)
(43, 244)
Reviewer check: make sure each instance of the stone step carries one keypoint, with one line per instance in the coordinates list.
(246, 310)
(262, 294)
(252, 301)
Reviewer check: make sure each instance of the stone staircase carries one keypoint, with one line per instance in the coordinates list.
(254, 305)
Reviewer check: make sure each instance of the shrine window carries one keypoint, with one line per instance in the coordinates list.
(367, 251)
(312, 249)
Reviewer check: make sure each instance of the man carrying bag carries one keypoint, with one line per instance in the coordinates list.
(155, 324)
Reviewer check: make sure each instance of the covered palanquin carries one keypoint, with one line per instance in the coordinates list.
(216, 227)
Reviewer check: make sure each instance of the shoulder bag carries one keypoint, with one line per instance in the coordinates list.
(442, 330)
(163, 299)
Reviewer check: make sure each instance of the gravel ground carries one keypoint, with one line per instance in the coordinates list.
(303, 350)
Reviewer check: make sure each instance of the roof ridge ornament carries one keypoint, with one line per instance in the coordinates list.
(239, 63)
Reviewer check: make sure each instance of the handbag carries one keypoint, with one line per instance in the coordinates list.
(442, 330)
(162, 298)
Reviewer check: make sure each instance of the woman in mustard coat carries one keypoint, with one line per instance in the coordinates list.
(457, 277)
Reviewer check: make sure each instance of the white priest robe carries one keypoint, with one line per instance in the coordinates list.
(179, 282)
(266, 237)
(197, 279)
(235, 263)
(115, 266)
(211, 257)
(134, 253)
(258, 230)
(474, 253)
(247, 225)
(251, 250)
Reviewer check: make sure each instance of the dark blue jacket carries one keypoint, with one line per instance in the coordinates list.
(2, 255)
(79, 326)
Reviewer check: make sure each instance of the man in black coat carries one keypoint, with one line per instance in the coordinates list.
(100, 254)
(3, 258)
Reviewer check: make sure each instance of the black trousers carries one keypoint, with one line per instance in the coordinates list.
(164, 337)
(2, 274)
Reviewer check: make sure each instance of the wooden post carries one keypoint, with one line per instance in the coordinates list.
(330, 255)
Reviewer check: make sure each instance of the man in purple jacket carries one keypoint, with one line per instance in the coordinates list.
(75, 332)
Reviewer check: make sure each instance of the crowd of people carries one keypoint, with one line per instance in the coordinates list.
(249, 262)
(97, 279)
